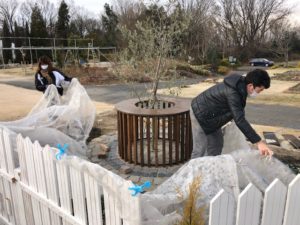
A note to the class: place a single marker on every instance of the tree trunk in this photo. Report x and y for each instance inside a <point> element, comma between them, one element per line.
<point>286,57</point>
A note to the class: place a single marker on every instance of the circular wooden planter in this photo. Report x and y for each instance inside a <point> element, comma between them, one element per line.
<point>154,137</point>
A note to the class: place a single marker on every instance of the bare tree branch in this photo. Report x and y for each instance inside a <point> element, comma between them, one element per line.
<point>8,12</point>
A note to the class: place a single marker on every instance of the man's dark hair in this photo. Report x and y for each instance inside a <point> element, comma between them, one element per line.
<point>258,78</point>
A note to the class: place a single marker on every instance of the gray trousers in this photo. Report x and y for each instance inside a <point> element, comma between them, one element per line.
<point>203,144</point>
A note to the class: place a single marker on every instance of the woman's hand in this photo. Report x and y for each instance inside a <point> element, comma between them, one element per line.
<point>264,149</point>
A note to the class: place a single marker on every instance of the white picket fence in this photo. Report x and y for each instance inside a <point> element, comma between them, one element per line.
<point>37,189</point>
<point>44,191</point>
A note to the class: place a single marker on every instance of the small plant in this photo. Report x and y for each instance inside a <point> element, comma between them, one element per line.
<point>192,214</point>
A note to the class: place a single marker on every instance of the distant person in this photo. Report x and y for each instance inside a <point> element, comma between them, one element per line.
<point>218,105</point>
<point>46,74</point>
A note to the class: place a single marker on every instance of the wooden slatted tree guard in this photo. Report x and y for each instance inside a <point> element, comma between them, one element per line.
<point>157,136</point>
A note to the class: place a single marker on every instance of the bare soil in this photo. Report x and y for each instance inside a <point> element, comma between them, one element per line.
<point>291,75</point>
<point>295,89</point>
<point>92,75</point>
<point>16,102</point>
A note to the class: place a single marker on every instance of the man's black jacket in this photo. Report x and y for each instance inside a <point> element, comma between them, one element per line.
<point>221,103</point>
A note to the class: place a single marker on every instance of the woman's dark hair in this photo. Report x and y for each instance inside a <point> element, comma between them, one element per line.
<point>45,60</point>
<point>258,78</point>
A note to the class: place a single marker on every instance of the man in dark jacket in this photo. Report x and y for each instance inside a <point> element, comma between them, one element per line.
<point>221,103</point>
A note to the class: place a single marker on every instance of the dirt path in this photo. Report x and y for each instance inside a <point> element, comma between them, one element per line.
<point>17,102</point>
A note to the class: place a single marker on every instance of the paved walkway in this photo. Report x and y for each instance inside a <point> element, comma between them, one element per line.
<point>138,174</point>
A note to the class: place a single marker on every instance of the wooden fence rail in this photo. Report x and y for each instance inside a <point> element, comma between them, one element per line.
<point>37,189</point>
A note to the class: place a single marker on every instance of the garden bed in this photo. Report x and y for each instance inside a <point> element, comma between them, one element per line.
<point>287,76</point>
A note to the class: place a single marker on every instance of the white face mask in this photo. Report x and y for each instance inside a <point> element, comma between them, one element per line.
<point>253,94</point>
<point>44,67</point>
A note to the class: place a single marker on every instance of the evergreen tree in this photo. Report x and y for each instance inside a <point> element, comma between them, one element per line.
<point>6,42</point>
<point>51,29</point>
<point>110,22</point>
<point>62,24</point>
<point>27,34</point>
<point>38,29</point>
<point>18,42</point>
<point>295,42</point>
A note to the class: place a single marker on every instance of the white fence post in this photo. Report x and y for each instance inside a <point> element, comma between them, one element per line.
<point>78,194</point>
<point>12,198</point>
<point>24,178</point>
<point>3,170</point>
<point>111,210</point>
<point>292,213</point>
<point>131,207</point>
<point>248,208</point>
<point>274,203</point>
<point>41,180</point>
<point>221,211</point>
<point>120,206</point>
<point>51,181</point>
<point>64,188</point>
<point>93,199</point>
<point>32,179</point>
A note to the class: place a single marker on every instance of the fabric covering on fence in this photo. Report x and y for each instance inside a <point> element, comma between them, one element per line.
<point>56,119</point>
<point>231,172</point>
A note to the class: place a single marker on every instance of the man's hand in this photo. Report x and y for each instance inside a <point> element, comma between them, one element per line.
<point>264,149</point>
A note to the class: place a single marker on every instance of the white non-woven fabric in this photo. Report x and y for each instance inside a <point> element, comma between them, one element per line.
<point>232,172</point>
<point>56,119</point>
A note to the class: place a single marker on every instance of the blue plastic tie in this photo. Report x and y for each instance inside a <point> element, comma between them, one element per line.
<point>62,151</point>
<point>139,188</point>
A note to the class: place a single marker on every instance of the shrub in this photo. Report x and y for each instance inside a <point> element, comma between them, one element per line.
<point>199,70</point>
<point>223,70</point>
<point>182,66</point>
<point>225,62</point>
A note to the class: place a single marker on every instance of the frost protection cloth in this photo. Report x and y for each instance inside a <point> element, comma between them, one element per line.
<point>59,119</point>
<point>232,172</point>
